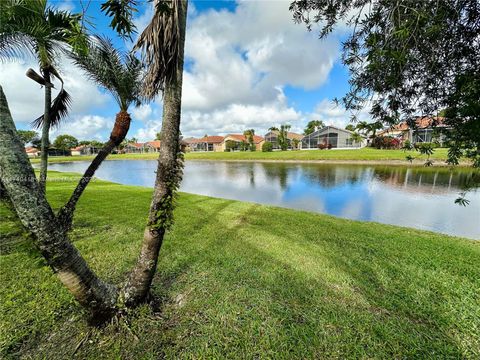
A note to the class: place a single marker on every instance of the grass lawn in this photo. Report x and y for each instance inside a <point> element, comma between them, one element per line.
<point>365,154</point>
<point>239,280</point>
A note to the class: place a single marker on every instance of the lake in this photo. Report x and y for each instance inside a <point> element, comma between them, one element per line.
<point>416,197</point>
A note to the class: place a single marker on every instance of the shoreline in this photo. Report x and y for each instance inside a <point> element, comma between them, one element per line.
<point>417,163</point>
<point>342,162</point>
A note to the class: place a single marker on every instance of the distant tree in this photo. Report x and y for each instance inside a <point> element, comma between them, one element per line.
<point>158,136</point>
<point>206,135</point>
<point>312,125</point>
<point>407,58</point>
<point>267,146</point>
<point>350,127</point>
<point>37,142</point>
<point>295,143</point>
<point>96,144</point>
<point>273,128</point>
<point>27,135</point>
<point>244,145</point>
<point>249,135</point>
<point>369,129</point>
<point>65,142</point>
<point>282,137</point>
<point>356,137</point>
<point>230,145</point>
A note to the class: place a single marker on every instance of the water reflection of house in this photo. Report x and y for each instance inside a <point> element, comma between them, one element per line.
<point>420,129</point>
<point>419,180</point>
<point>272,137</point>
<point>331,136</point>
<point>206,143</point>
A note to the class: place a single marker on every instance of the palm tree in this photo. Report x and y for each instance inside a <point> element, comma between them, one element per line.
<point>312,125</point>
<point>356,137</point>
<point>283,137</point>
<point>273,128</point>
<point>36,214</point>
<point>120,74</point>
<point>249,134</point>
<point>162,43</point>
<point>31,27</point>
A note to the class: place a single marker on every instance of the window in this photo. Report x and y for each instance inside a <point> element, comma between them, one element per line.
<point>349,142</point>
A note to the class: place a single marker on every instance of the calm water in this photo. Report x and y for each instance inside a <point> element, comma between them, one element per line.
<point>416,197</point>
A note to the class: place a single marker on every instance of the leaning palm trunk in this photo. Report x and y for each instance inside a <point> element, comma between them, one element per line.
<point>36,215</point>
<point>169,174</point>
<point>118,134</point>
<point>45,131</point>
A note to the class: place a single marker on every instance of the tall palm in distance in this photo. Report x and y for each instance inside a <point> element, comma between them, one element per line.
<point>120,74</point>
<point>33,28</point>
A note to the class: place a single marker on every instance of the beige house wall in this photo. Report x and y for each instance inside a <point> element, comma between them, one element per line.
<point>221,147</point>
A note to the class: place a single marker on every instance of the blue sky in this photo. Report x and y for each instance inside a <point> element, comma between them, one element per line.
<point>247,66</point>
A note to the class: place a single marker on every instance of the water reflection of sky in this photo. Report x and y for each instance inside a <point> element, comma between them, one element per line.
<point>416,197</point>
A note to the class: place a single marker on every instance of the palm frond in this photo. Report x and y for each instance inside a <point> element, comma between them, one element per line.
<point>160,43</point>
<point>60,106</point>
<point>118,72</point>
<point>16,45</point>
<point>59,110</point>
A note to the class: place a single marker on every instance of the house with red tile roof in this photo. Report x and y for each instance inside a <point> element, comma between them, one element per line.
<point>206,143</point>
<point>421,129</point>
<point>152,146</point>
<point>32,151</point>
<point>133,148</point>
<point>272,137</point>
<point>239,138</point>
<point>84,150</point>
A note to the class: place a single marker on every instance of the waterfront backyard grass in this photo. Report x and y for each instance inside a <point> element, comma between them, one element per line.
<point>354,155</point>
<point>240,280</point>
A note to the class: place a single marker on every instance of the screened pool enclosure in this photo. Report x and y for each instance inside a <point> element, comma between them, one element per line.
<point>330,136</point>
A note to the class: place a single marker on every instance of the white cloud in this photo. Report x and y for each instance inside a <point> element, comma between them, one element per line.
<point>150,130</point>
<point>25,97</point>
<point>235,118</point>
<point>66,5</point>
<point>336,115</point>
<point>142,112</point>
<point>87,127</point>
<point>241,56</point>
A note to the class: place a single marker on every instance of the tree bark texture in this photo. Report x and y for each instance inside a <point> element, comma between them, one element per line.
<point>167,180</point>
<point>45,131</point>
<point>36,215</point>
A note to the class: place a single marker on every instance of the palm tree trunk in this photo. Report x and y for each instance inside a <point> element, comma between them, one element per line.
<point>118,134</point>
<point>33,210</point>
<point>45,131</point>
<point>169,173</point>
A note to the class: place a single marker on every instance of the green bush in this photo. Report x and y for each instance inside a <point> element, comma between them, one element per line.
<point>267,146</point>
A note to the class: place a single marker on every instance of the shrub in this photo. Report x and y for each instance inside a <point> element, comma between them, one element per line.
<point>407,145</point>
<point>322,146</point>
<point>425,148</point>
<point>329,146</point>
<point>267,146</point>
<point>230,145</point>
<point>385,142</point>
